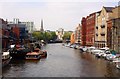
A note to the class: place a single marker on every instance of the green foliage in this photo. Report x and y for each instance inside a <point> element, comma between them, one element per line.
<point>67,35</point>
<point>46,36</point>
<point>54,36</point>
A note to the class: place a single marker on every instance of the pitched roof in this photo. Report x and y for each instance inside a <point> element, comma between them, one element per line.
<point>109,9</point>
<point>98,12</point>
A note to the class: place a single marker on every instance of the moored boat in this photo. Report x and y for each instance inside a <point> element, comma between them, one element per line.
<point>5,58</point>
<point>19,52</point>
<point>42,53</point>
<point>117,61</point>
<point>33,56</point>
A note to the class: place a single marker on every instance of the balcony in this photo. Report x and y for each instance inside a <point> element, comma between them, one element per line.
<point>102,26</point>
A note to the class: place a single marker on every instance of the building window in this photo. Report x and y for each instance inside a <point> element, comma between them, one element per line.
<point>102,26</point>
<point>96,27</point>
<point>96,34</point>
<point>102,34</point>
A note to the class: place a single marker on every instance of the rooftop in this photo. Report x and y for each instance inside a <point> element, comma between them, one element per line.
<point>109,9</point>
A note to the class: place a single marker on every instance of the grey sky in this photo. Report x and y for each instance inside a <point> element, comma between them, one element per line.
<point>56,14</point>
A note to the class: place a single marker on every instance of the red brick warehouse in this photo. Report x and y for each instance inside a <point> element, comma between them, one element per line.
<point>83,31</point>
<point>90,29</point>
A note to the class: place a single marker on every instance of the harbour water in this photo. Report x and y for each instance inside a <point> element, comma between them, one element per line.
<point>62,62</point>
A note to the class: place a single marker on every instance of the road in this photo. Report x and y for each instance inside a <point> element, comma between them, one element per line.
<point>62,62</point>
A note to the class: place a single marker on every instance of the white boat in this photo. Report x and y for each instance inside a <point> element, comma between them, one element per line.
<point>5,58</point>
<point>95,51</point>
<point>90,49</point>
<point>76,47</point>
<point>110,57</point>
<point>107,52</point>
<point>104,48</point>
<point>117,61</point>
<point>84,49</point>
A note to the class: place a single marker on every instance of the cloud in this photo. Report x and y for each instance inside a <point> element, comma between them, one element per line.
<point>55,14</point>
<point>59,0</point>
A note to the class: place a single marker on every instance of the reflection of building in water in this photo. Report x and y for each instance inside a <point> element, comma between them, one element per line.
<point>109,70</point>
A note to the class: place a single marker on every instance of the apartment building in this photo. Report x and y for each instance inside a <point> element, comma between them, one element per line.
<point>114,30</point>
<point>101,26</point>
<point>83,32</point>
<point>78,34</point>
<point>90,29</point>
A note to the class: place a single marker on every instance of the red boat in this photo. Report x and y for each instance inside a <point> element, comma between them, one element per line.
<point>33,56</point>
<point>42,53</point>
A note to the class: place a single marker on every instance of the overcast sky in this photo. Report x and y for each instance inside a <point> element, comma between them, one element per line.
<point>55,13</point>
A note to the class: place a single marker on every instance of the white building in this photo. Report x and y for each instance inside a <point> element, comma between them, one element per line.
<point>29,25</point>
<point>60,33</point>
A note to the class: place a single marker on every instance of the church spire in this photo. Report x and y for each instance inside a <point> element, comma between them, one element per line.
<point>41,29</point>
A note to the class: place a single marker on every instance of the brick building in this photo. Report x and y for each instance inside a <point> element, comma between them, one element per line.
<point>90,29</point>
<point>4,33</point>
<point>83,32</point>
<point>113,28</point>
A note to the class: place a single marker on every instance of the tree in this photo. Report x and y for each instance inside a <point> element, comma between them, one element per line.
<point>67,35</point>
<point>53,36</point>
<point>36,35</point>
<point>46,36</point>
